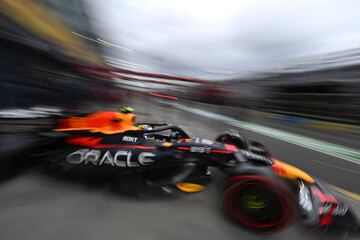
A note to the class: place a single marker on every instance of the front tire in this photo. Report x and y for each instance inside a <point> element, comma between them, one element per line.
<point>259,203</point>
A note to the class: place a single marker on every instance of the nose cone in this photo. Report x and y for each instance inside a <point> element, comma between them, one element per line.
<point>291,172</point>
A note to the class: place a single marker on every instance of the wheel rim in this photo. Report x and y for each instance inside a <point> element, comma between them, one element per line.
<point>259,204</point>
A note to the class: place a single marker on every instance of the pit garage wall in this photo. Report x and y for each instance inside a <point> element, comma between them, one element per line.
<point>38,57</point>
<point>331,95</point>
<point>30,77</point>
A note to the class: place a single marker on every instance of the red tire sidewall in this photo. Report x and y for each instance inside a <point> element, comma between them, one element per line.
<point>284,195</point>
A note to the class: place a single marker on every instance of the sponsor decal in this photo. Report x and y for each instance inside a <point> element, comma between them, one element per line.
<point>120,158</point>
<point>95,142</point>
<point>195,149</point>
<point>206,141</point>
<point>304,198</point>
<point>129,139</point>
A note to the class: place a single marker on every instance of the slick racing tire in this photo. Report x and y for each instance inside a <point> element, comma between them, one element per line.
<point>260,203</point>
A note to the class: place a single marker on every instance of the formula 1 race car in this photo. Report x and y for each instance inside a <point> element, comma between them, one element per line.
<point>259,192</point>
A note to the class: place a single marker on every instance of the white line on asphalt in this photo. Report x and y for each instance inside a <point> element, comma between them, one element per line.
<point>352,195</point>
<point>333,166</point>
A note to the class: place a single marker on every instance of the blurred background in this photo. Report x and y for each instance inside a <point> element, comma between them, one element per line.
<point>284,72</point>
<point>276,56</point>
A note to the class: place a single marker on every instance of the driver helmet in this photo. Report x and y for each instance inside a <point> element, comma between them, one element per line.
<point>126,109</point>
<point>146,127</point>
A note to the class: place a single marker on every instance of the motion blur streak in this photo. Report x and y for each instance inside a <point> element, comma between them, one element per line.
<point>348,154</point>
<point>35,17</point>
<point>162,96</point>
<point>124,119</point>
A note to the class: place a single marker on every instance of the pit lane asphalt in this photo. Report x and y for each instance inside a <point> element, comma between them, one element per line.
<point>37,206</point>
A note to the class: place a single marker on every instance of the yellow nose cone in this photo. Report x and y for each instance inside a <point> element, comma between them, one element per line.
<point>291,172</point>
